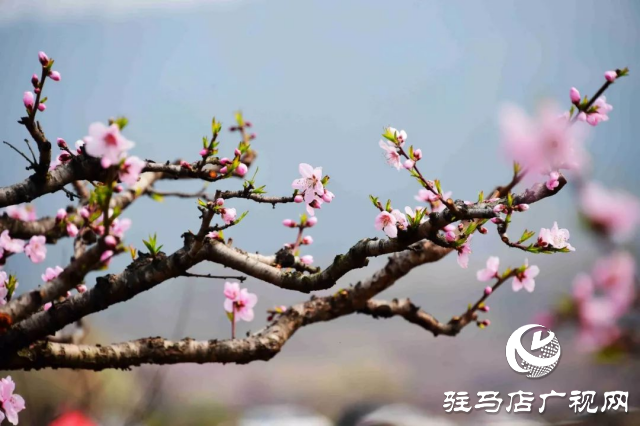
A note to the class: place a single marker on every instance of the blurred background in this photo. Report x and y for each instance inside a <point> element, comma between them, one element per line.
<point>319,80</point>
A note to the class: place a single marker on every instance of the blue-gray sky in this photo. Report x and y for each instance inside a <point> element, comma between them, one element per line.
<point>319,80</point>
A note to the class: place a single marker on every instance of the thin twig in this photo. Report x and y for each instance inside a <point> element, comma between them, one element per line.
<point>240,278</point>
<point>31,163</point>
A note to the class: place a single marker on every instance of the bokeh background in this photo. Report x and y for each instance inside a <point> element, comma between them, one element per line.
<point>319,80</point>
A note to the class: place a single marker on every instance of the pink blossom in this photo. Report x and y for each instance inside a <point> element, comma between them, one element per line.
<point>388,222</point>
<point>47,306</point>
<point>36,249</point>
<point>526,279</point>
<point>391,154</point>
<point>213,235</point>
<point>554,181</point>
<point>51,273</point>
<point>10,244</point>
<point>488,290</point>
<point>11,403</point>
<point>307,260</point>
<point>610,76</point>
<point>204,152</point>
<point>311,222</point>
<point>574,95</point>
<point>491,271</point>
<point>307,240</point>
<point>84,212</point>
<point>106,142</point>
<point>242,305</point>
<point>602,109</point>
<point>450,232</point>
<point>463,253</point>
<point>408,164</point>
<point>417,154</point>
<point>228,215</point>
<point>498,208</point>
<point>242,169</point>
<point>617,213</point>
<point>231,290</point>
<point>310,185</point>
<point>554,237</point>
<point>298,198</point>
<point>4,291</point>
<point>120,226</point>
<point>130,170</point>
<point>542,145</point>
<point>61,215</point>
<point>24,212</point>
<point>72,229</point>
<point>29,99</point>
<point>43,58</point>
<point>41,107</point>
<point>328,196</point>
<point>400,136</point>
<point>289,223</point>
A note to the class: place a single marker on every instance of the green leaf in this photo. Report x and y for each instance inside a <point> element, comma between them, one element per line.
<point>471,228</point>
<point>516,168</point>
<point>510,199</point>
<point>230,316</point>
<point>481,196</point>
<point>121,122</point>
<point>239,118</point>
<point>438,187</point>
<point>388,206</point>
<point>157,197</point>
<point>526,235</point>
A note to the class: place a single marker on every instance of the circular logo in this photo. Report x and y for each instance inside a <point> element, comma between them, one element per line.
<point>535,366</point>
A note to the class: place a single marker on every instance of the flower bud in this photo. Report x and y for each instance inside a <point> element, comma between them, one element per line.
<point>252,136</point>
<point>47,306</point>
<point>106,256</point>
<point>497,220</point>
<point>408,164</point>
<point>34,80</point>
<point>64,157</point>
<point>417,154</point>
<point>247,124</point>
<point>43,58</point>
<point>41,107</point>
<point>224,161</point>
<point>298,198</point>
<point>219,202</point>
<point>237,152</point>
<point>61,215</point>
<point>81,288</point>
<point>307,260</point>
<point>498,208</point>
<point>84,212</point>
<point>110,241</point>
<point>185,165</point>
<point>29,99</point>
<point>311,221</point>
<point>54,75</point>
<point>611,76</point>
<point>233,128</point>
<point>486,323</point>
<point>574,95</point>
<point>242,169</point>
<point>307,240</point>
<point>223,170</point>
<point>118,189</point>
<point>484,308</point>
<point>488,290</point>
<point>204,152</point>
<point>62,144</point>
<point>72,230</point>
<point>522,207</point>
<point>289,223</point>
<point>483,230</point>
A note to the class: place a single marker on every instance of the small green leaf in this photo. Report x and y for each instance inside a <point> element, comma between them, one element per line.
<point>481,196</point>
<point>157,197</point>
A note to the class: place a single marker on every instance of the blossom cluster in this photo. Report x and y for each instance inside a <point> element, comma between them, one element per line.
<point>12,403</point>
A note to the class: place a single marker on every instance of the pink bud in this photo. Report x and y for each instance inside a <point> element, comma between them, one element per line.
<point>253,136</point>
<point>522,207</point>
<point>307,240</point>
<point>110,241</point>
<point>204,152</point>
<point>485,308</point>
<point>482,230</point>
<point>247,124</point>
<point>486,323</point>
<point>298,198</point>
<point>185,165</point>
<point>47,306</point>
<point>497,220</point>
<point>237,152</point>
<point>289,223</point>
<point>61,215</point>
<point>54,75</point>
<point>106,256</point>
<point>611,76</point>
<point>223,170</point>
<point>408,164</point>
<point>84,212</point>
<point>498,208</point>
<point>224,160</point>
<point>41,107</point>
<point>29,99</point>
<point>43,58</point>
<point>311,221</point>
<point>62,144</point>
<point>64,157</point>
<point>488,290</point>
<point>118,189</point>
<point>307,260</point>
<point>574,95</point>
<point>36,90</point>
<point>242,169</point>
<point>81,288</point>
<point>220,202</point>
<point>417,154</point>
<point>34,80</point>
<point>72,229</point>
